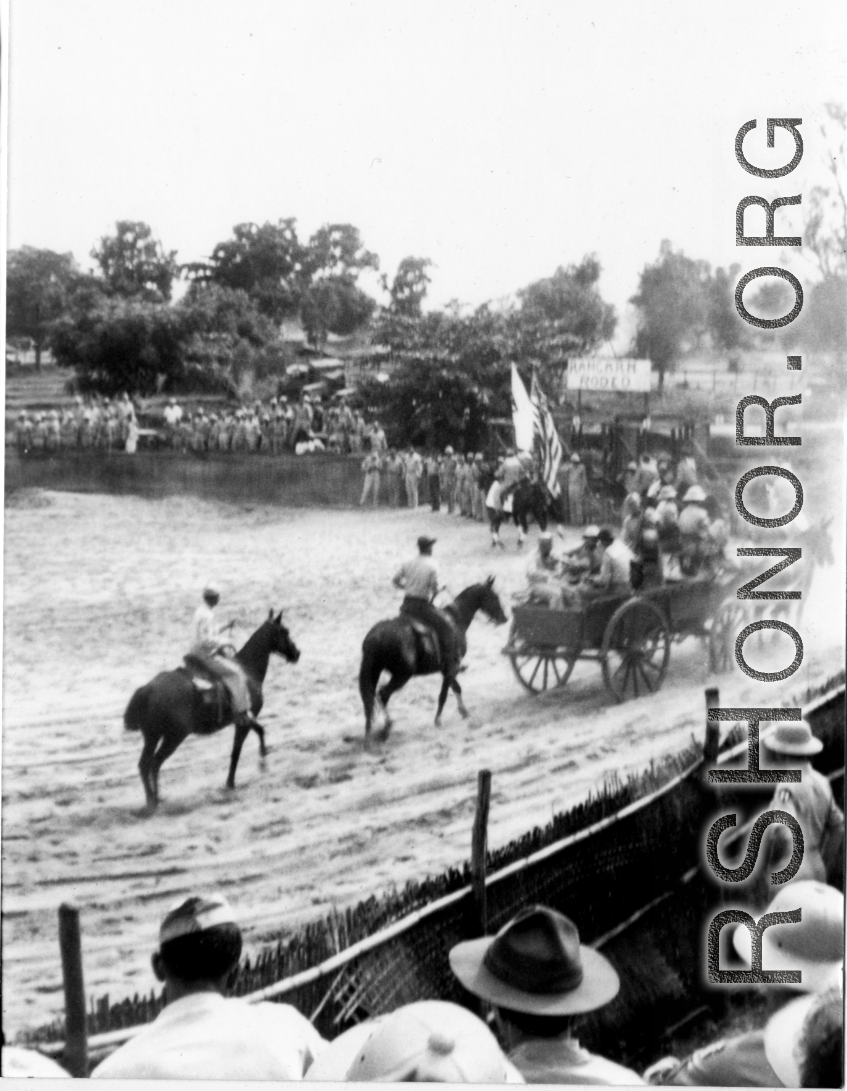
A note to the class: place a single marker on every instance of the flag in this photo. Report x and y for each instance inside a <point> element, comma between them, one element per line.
<point>547,438</point>
<point>523,413</point>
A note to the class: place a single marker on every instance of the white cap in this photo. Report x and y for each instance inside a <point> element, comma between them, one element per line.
<point>195,914</point>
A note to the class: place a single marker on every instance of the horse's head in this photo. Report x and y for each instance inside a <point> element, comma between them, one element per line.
<point>489,602</point>
<point>281,641</point>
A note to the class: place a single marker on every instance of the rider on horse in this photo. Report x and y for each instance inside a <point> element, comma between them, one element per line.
<point>208,652</point>
<point>418,578</point>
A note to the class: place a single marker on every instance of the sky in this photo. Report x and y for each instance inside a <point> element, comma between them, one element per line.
<point>500,140</point>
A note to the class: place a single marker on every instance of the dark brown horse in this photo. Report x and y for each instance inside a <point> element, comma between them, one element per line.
<point>171,707</point>
<point>396,647</point>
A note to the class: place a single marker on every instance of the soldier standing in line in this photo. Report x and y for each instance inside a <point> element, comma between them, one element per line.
<point>433,481</point>
<point>394,471</point>
<point>371,467</point>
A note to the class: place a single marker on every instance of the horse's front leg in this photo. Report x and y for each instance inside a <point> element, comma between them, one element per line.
<point>260,731</point>
<point>457,689</point>
<point>442,697</point>
<point>242,730</point>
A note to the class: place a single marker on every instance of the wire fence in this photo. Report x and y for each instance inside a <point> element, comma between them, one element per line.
<point>624,865</point>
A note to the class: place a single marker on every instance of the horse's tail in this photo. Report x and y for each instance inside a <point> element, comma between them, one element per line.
<point>136,709</point>
<point>369,673</point>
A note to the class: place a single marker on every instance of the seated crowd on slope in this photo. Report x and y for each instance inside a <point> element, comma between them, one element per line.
<point>304,424</point>
<point>535,980</point>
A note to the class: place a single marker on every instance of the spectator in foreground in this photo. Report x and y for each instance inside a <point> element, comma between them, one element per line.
<point>430,1041</point>
<point>539,976</point>
<point>814,946</point>
<point>804,1042</point>
<point>201,1034</point>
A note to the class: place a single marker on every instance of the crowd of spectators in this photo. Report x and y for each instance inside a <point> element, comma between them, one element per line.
<point>300,425</point>
<point>535,978</point>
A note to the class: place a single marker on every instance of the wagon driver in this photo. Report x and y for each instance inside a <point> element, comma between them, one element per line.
<point>207,650</point>
<point>419,579</point>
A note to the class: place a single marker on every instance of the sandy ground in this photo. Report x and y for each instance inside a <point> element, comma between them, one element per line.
<point>99,595</point>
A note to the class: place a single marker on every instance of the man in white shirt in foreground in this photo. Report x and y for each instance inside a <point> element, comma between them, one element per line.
<point>202,1034</point>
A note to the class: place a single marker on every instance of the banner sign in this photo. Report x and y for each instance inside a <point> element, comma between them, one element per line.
<point>623,374</point>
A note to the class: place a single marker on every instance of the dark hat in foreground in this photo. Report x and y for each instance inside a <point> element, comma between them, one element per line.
<point>425,543</point>
<point>536,964</point>
<point>195,914</point>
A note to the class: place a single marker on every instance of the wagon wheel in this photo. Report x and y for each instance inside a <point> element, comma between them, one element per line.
<point>727,623</point>
<point>636,649</point>
<point>539,669</point>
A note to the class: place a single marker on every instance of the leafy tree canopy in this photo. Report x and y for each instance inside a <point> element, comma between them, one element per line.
<point>133,264</point>
<point>409,287</point>
<point>38,285</point>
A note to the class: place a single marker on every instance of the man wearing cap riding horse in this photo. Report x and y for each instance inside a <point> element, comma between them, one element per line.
<point>539,976</point>
<point>419,579</point>
<point>201,1034</point>
<point>207,649</point>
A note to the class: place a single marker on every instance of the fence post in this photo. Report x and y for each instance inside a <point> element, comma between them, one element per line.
<point>713,728</point>
<point>70,945</point>
<point>479,845</point>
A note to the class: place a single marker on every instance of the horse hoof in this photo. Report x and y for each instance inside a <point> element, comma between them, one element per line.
<point>230,787</point>
<point>463,712</point>
<point>438,721</point>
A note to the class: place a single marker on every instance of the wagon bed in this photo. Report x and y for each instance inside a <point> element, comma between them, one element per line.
<point>629,635</point>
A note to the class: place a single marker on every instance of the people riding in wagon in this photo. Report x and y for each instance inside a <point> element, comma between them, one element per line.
<point>543,573</point>
<point>718,539</point>
<point>693,530</point>
<point>209,651</point>
<point>584,560</point>
<point>667,519</point>
<point>418,578</point>
<point>615,574</point>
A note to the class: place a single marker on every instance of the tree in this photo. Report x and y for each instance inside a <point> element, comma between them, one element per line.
<point>337,250</point>
<point>133,264</point>
<point>38,284</point>
<point>825,232</point>
<point>267,262</point>
<point>119,344</point>
<point>563,315</point>
<point>450,374</point>
<point>334,304</point>
<point>672,304</point>
<point>728,330</point>
<point>409,287</point>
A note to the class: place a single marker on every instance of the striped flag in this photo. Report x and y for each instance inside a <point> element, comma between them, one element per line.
<point>548,444</point>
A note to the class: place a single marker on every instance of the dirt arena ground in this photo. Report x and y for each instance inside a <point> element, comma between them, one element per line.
<point>99,595</point>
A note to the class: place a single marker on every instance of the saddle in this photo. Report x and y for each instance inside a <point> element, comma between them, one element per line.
<point>212,693</point>
<point>426,639</point>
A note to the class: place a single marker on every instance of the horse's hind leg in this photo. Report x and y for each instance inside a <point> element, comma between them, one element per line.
<point>241,733</point>
<point>260,731</point>
<point>395,682</point>
<point>145,769</point>
<point>167,747</point>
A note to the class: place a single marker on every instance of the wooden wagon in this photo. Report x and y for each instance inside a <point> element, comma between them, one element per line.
<point>630,636</point>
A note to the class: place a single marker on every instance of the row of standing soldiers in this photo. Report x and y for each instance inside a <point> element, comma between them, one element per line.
<point>458,482</point>
<point>106,424</point>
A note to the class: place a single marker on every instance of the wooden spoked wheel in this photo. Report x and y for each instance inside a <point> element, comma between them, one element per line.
<point>727,623</point>
<point>636,649</point>
<point>539,668</point>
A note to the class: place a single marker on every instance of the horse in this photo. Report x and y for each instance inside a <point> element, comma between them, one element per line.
<point>171,707</point>
<point>395,646</point>
<point>529,498</point>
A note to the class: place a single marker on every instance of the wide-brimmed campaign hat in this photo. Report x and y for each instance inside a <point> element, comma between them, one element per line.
<point>814,946</point>
<point>792,738</point>
<point>424,542</point>
<point>536,964</point>
<point>695,494</point>
<point>592,531</point>
<point>333,1062</point>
